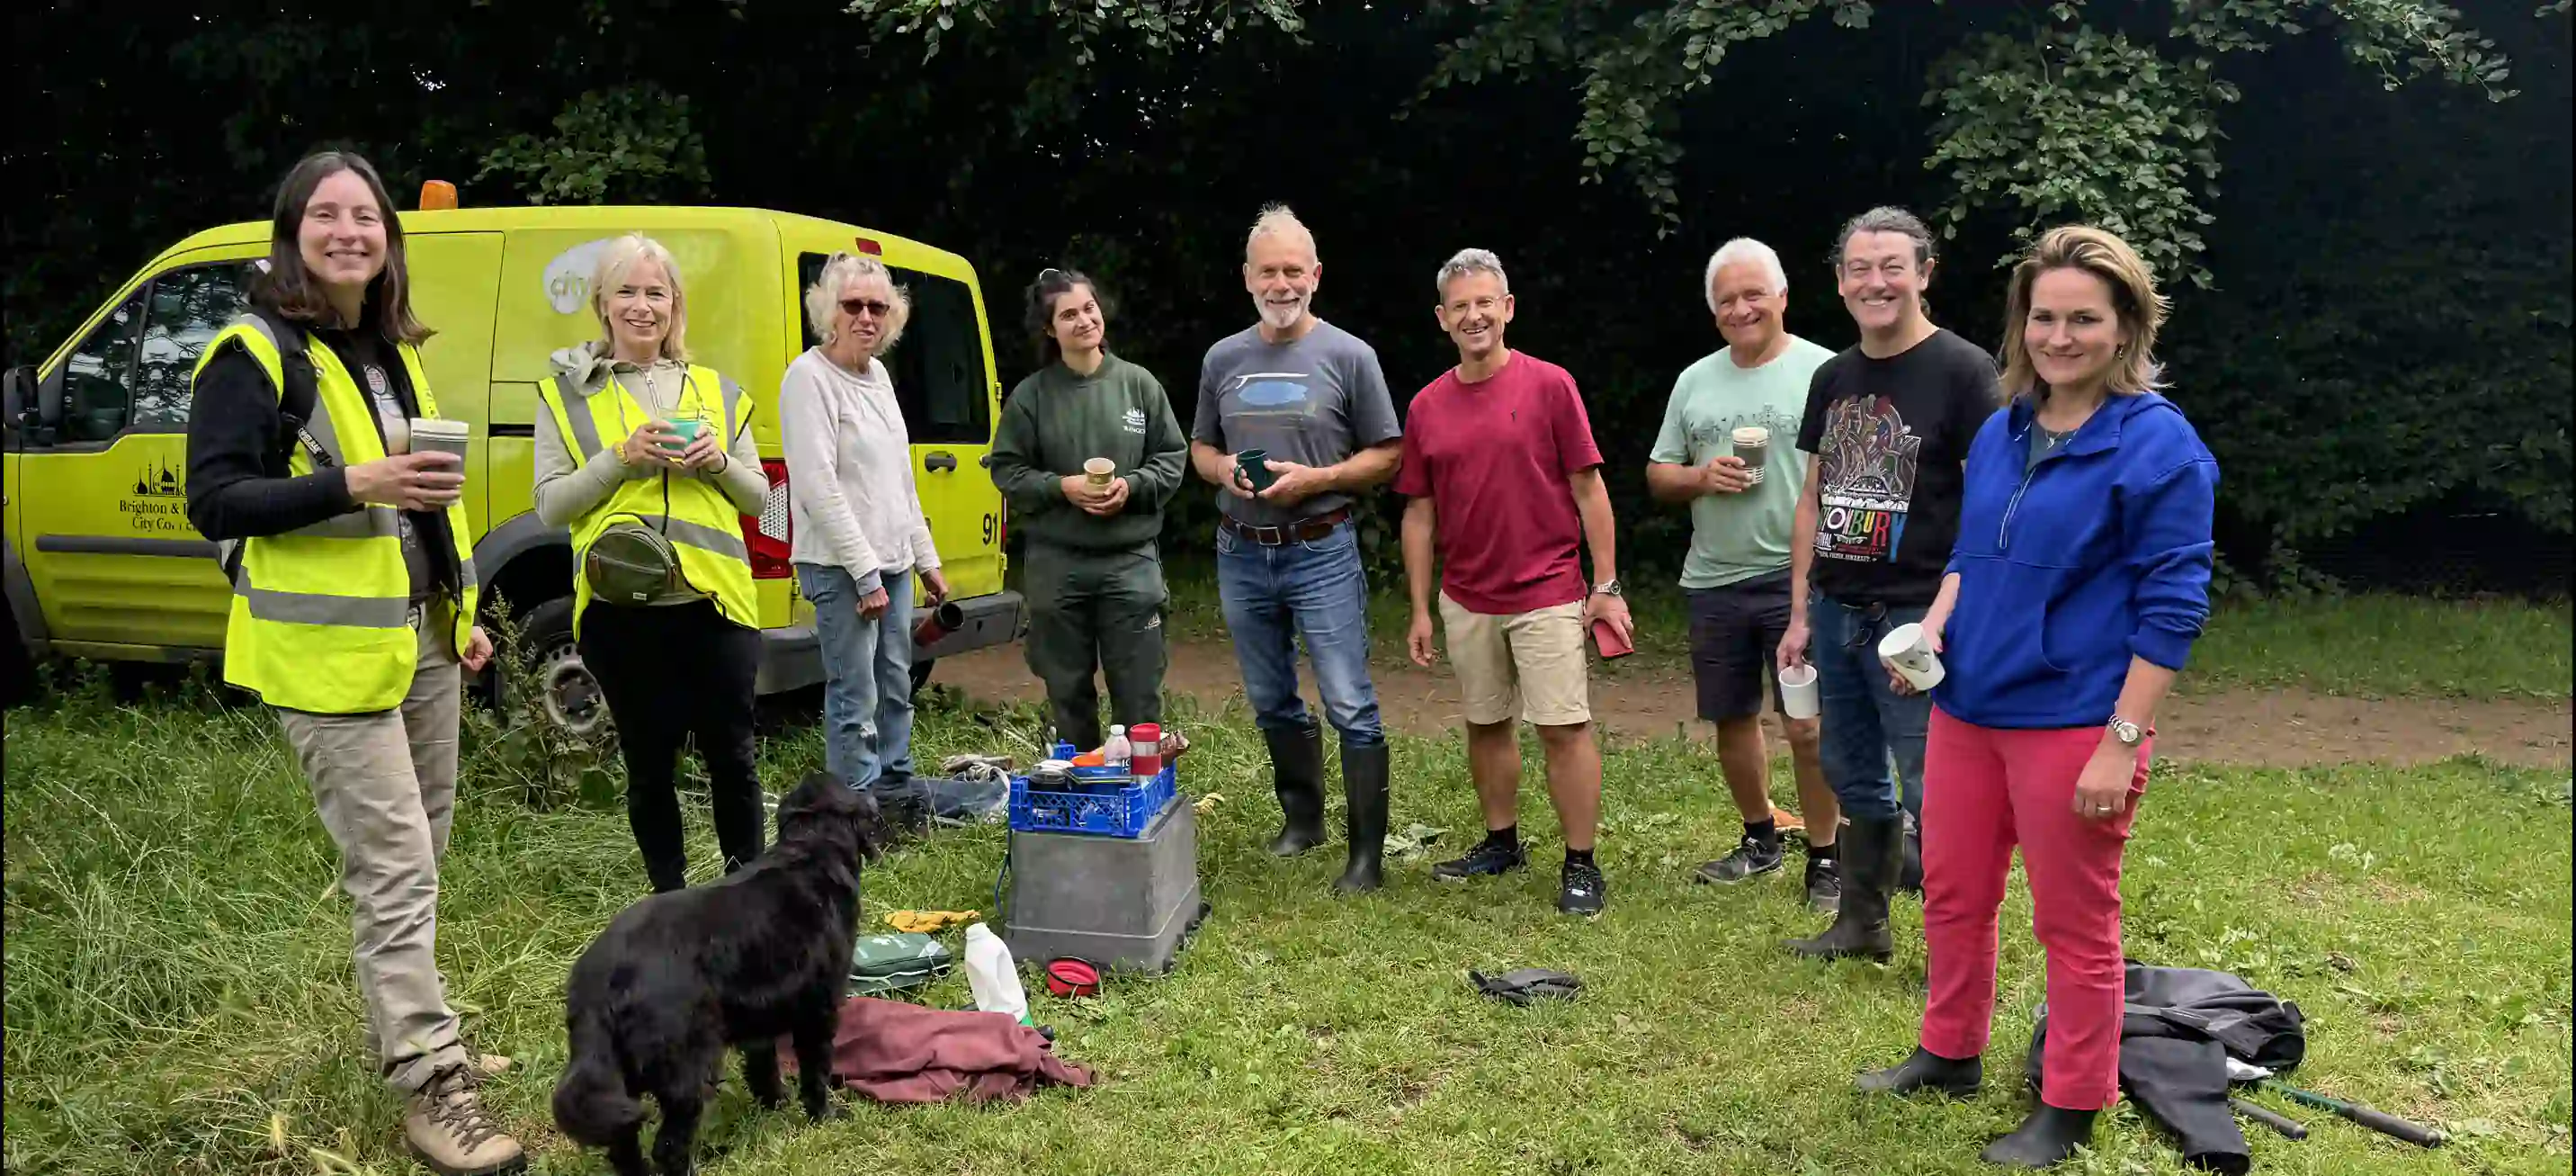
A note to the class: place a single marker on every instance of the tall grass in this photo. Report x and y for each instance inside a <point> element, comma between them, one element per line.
<point>179,996</point>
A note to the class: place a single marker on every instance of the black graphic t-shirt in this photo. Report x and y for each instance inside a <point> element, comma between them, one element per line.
<point>1889,437</point>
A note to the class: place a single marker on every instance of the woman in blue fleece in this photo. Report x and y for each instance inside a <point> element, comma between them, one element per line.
<point>2079,580</point>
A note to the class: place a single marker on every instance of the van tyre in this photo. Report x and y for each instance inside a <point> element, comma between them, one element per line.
<point>567,693</point>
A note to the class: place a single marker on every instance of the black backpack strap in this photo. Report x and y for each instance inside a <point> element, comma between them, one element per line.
<point>302,395</point>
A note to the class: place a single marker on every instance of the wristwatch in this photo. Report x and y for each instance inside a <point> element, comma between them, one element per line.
<point>1606,588</point>
<point>2126,732</point>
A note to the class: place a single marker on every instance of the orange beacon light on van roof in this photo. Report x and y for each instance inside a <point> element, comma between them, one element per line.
<point>436,195</point>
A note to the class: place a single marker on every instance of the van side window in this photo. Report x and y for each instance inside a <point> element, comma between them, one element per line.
<point>94,381</point>
<point>938,364</point>
<point>188,308</point>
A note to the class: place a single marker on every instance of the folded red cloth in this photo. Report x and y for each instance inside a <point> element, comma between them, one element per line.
<point>896,1052</point>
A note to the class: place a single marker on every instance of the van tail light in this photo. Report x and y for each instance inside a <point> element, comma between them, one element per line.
<point>769,536</point>
<point>1002,529</point>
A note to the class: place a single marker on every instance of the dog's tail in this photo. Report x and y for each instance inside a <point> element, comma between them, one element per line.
<point>592,1105</point>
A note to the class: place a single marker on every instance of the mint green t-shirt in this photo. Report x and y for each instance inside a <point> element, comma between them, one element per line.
<point>1736,537</point>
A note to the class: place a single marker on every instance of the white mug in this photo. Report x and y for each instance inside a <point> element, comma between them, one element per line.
<point>1798,698</point>
<point>1907,648</point>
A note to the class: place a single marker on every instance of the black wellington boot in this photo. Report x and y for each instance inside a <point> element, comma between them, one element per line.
<point>1926,1070</point>
<point>2049,1135</point>
<point>1868,855</point>
<point>1364,771</point>
<point>1297,767</point>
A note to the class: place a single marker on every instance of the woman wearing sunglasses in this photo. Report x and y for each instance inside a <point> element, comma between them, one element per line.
<point>860,534</point>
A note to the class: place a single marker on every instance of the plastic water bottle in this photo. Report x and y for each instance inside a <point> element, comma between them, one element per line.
<point>1117,753</point>
<point>993,977</point>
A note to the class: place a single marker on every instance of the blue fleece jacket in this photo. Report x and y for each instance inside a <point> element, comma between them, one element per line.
<point>2069,567</point>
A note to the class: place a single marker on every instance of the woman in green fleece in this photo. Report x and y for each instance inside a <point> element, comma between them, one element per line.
<point>1094,578</point>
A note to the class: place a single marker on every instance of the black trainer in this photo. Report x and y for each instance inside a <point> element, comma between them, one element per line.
<point>1751,858</point>
<point>1487,859</point>
<point>1581,890</point>
<point>1824,886</point>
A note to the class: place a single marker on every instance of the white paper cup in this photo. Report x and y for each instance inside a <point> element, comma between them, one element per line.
<point>440,436</point>
<point>1798,699</point>
<point>1099,470</point>
<point>1910,651</point>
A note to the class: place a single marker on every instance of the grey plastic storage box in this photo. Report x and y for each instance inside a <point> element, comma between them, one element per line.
<point>1118,902</point>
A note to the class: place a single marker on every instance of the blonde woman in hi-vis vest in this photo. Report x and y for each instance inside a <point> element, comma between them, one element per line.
<point>649,460</point>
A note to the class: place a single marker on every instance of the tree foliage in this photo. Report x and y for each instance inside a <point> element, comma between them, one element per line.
<point>2382,330</point>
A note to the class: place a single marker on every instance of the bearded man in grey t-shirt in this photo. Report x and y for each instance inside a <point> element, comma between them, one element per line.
<point>1309,396</point>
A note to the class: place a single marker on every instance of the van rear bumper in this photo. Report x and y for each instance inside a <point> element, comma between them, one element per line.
<point>791,656</point>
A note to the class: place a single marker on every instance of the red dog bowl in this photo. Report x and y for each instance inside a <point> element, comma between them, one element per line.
<point>1072,977</point>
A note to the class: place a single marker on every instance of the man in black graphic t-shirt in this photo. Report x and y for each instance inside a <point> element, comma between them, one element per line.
<point>1888,422</point>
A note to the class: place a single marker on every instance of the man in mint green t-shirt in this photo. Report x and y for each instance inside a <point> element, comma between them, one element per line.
<point>1742,487</point>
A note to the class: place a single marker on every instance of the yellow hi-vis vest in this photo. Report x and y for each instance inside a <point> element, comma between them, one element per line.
<point>701,523</point>
<point>321,615</point>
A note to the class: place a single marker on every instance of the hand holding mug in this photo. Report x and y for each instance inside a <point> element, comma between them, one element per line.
<point>655,444</point>
<point>1726,475</point>
<point>428,480</point>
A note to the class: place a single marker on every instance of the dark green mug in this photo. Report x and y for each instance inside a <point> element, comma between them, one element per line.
<point>1248,466</point>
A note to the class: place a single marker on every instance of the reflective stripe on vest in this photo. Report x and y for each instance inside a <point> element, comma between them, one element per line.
<point>320,617</point>
<point>702,524</point>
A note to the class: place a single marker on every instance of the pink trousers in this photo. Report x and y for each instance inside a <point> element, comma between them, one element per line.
<point>1986,790</point>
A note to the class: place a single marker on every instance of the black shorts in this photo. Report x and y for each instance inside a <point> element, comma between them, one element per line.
<point>1735,636</point>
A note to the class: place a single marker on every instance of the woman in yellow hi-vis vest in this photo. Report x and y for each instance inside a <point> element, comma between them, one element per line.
<point>649,460</point>
<point>353,602</point>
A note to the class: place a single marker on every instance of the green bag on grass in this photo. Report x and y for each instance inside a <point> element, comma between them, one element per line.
<point>898,962</point>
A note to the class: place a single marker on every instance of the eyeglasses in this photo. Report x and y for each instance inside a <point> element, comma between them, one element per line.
<point>854,306</point>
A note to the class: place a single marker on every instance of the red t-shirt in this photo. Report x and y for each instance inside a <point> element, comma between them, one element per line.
<point>1496,458</point>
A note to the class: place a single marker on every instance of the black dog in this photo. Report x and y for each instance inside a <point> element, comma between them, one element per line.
<point>677,977</point>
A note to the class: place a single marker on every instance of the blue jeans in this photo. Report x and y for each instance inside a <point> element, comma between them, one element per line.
<point>867,679</point>
<point>1867,727</point>
<point>1315,590</point>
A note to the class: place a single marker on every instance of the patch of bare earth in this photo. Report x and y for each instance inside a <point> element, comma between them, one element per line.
<point>2276,728</point>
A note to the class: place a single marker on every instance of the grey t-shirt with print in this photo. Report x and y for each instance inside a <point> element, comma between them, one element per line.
<point>1314,401</point>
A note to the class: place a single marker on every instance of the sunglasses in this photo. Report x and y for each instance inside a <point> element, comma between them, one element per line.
<point>877,307</point>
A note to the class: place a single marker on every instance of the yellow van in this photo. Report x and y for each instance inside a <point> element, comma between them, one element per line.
<point>102,563</point>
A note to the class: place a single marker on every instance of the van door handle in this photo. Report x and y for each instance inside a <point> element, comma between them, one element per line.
<point>939,461</point>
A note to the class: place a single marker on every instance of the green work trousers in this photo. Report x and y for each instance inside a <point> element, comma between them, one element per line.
<point>1097,610</point>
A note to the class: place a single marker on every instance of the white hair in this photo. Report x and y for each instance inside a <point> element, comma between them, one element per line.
<point>1470,261</point>
<point>1740,251</point>
<point>824,296</point>
<point>1275,221</point>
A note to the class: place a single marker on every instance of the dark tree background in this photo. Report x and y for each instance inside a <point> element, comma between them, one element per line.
<point>2378,349</point>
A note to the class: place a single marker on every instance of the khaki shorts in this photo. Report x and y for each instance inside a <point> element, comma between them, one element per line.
<point>1532,662</point>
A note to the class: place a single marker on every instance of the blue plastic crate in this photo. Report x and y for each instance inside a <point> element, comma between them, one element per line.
<point>1099,809</point>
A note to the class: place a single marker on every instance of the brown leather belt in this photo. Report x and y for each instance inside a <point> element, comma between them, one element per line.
<point>1301,531</point>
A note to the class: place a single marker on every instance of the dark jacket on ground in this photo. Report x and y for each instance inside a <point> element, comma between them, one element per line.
<point>2181,1026</point>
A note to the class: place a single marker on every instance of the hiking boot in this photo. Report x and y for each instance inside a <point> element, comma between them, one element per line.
<point>1867,852</point>
<point>1488,858</point>
<point>1581,890</point>
<point>1751,858</point>
<point>1297,775</point>
<point>1364,772</point>
<point>449,1130</point>
<point>1824,885</point>
<point>2048,1136</point>
<point>1926,1070</point>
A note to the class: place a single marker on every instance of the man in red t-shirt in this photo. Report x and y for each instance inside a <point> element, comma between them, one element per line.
<point>1504,478</point>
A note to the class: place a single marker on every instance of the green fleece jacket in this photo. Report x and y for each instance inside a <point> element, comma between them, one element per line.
<point>1055,420</point>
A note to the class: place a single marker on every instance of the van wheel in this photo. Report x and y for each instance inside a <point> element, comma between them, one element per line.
<point>18,669</point>
<point>565,688</point>
<point>921,673</point>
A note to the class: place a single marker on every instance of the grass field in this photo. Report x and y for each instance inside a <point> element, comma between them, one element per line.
<point>179,997</point>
